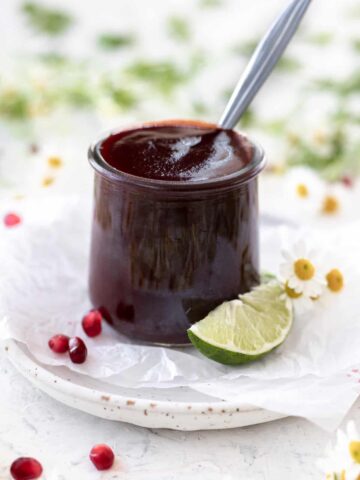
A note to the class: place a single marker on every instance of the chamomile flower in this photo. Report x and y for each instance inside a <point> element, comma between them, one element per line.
<point>336,199</point>
<point>335,280</point>
<point>305,187</point>
<point>299,301</point>
<point>300,272</point>
<point>343,461</point>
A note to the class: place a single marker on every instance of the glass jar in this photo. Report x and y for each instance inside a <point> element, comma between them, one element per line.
<point>165,253</point>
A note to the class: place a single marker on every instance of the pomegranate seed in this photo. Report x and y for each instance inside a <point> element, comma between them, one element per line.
<point>11,220</point>
<point>347,181</point>
<point>91,323</point>
<point>77,350</point>
<point>59,343</point>
<point>26,468</point>
<point>105,314</point>
<point>102,457</point>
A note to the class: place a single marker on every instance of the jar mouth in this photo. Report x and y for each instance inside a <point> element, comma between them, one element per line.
<point>243,175</point>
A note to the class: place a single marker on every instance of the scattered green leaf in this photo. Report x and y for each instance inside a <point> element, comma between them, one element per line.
<point>199,108</point>
<point>53,59</point>
<point>14,104</point>
<point>114,41</point>
<point>343,88</point>
<point>332,162</point>
<point>46,20</point>
<point>288,64</point>
<point>78,96</point>
<point>356,44</point>
<point>164,76</point>
<point>275,127</point>
<point>197,62</point>
<point>248,118</point>
<point>210,3</point>
<point>178,28</point>
<point>246,48</point>
<point>122,97</point>
<point>321,38</point>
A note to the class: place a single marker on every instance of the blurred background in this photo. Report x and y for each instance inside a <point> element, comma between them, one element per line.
<point>70,70</point>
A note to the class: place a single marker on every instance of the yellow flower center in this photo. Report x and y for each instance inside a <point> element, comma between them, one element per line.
<point>302,190</point>
<point>293,138</point>
<point>304,269</point>
<point>47,181</point>
<point>335,280</point>
<point>290,292</point>
<point>354,449</point>
<point>55,162</point>
<point>319,137</point>
<point>316,298</point>
<point>330,205</point>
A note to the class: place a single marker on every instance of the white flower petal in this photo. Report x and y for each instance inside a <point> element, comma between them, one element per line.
<point>351,431</point>
<point>287,255</point>
<point>285,270</point>
<point>300,249</point>
<point>295,284</point>
<point>312,289</point>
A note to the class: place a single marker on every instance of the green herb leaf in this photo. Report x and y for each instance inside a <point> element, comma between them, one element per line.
<point>53,59</point>
<point>165,76</point>
<point>288,64</point>
<point>123,98</point>
<point>199,107</point>
<point>113,41</point>
<point>356,44</point>
<point>45,20</point>
<point>248,118</point>
<point>321,38</point>
<point>343,88</point>
<point>14,104</point>
<point>247,48</point>
<point>210,3</point>
<point>78,96</point>
<point>179,29</point>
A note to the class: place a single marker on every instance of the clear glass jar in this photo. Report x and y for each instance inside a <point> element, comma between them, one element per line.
<point>165,253</point>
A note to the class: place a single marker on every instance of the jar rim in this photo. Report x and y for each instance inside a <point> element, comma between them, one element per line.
<point>243,175</point>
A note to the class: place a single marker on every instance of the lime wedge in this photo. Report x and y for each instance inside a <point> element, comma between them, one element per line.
<point>246,329</point>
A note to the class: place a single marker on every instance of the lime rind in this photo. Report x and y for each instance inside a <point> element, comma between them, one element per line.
<point>217,353</point>
<point>245,329</point>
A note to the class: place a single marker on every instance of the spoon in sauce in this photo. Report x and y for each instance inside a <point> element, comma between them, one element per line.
<point>263,61</point>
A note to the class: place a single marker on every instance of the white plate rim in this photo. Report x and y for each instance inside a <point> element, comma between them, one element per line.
<point>47,381</point>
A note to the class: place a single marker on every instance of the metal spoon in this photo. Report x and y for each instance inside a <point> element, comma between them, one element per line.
<point>263,61</point>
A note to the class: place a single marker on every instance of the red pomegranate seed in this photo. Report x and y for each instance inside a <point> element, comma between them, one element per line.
<point>102,457</point>
<point>59,343</point>
<point>91,323</point>
<point>77,350</point>
<point>347,181</point>
<point>26,468</point>
<point>11,220</point>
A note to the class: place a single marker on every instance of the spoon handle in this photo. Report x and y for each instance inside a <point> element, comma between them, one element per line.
<point>263,61</point>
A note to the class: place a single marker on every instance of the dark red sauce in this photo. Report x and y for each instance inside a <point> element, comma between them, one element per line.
<point>177,153</point>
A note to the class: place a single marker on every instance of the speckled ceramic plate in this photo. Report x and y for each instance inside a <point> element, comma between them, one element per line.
<point>175,408</point>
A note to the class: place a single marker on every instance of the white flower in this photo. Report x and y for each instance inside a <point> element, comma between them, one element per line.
<point>300,272</point>
<point>343,461</point>
<point>336,199</point>
<point>305,187</point>
<point>300,302</point>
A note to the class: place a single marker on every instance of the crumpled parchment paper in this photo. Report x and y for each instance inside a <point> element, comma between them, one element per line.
<point>43,291</point>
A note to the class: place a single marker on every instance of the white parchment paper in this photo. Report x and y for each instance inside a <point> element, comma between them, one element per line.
<point>43,291</point>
